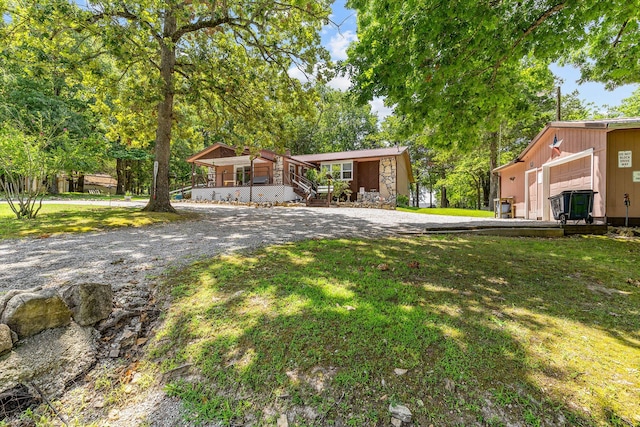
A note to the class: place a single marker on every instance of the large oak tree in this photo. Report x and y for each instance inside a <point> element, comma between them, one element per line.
<point>228,59</point>
<point>456,67</point>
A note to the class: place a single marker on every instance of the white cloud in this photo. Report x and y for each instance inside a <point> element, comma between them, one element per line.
<point>296,73</point>
<point>339,43</point>
<point>381,110</point>
<point>342,83</point>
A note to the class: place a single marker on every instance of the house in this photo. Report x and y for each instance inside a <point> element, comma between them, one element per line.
<point>265,176</point>
<point>99,183</point>
<point>598,155</point>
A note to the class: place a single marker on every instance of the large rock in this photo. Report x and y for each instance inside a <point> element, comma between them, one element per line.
<point>400,412</point>
<point>89,302</point>
<point>50,359</point>
<point>30,313</point>
<point>6,342</point>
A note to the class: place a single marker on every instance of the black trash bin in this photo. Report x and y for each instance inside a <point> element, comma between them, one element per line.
<point>573,205</point>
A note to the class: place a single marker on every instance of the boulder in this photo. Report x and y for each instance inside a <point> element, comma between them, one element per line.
<point>30,313</point>
<point>401,413</point>
<point>89,302</point>
<point>51,359</point>
<point>6,341</point>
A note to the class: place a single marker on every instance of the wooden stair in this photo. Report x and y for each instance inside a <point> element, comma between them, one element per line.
<point>317,202</point>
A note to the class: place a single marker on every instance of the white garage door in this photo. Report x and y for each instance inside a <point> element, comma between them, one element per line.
<point>575,175</point>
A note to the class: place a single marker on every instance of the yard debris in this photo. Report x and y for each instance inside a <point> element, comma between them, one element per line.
<point>283,421</point>
<point>399,371</point>
<point>383,267</point>
<point>413,264</point>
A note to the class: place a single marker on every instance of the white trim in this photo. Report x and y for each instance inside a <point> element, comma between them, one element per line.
<point>570,158</point>
<point>546,177</point>
<point>342,171</point>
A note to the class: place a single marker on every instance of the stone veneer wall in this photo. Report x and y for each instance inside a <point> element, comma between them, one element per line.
<point>388,178</point>
<point>278,170</point>
<point>211,176</point>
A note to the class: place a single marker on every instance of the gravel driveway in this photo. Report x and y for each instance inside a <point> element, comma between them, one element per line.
<point>130,255</point>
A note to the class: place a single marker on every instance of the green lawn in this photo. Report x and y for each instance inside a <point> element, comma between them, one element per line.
<point>449,212</point>
<point>61,218</point>
<point>491,331</point>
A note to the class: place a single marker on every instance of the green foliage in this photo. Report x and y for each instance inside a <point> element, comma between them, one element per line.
<point>24,167</point>
<point>402,201</point>
<point>339,123</point>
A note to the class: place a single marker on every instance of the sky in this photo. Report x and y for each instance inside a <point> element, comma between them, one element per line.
<point>337,36</point>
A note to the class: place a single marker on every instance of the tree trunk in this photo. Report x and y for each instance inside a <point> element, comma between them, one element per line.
<point>160,200</point>
<point>416,200</point>
<point>80,187</point>
<point>494,181</point>
<point>444,202</point>
<point>120,177</point>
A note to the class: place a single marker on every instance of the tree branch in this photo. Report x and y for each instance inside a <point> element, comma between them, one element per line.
<point>619,36</point>
<point>535,25</point>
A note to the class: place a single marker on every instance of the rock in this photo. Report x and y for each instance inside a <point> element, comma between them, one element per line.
<point>30,313</point>
<point>50,359</point>
<point>89,302</point>
<point>283,421</point>
<point>6,341</point>
<point>396,422</point>
<point>400,412</point>
<point>449,385</point>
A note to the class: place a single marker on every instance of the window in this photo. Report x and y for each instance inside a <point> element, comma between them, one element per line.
<point>341,171</point>
<point>243,175</point>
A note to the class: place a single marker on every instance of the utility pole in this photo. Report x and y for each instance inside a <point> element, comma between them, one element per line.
<point>558,116</point>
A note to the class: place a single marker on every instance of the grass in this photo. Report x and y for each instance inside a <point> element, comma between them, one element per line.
<point>449,211</point>
<point>60,218</point>
<point>492,331</point>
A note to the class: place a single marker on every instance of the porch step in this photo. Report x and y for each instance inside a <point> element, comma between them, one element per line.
<point>598,229</point>
<point>317,203</point>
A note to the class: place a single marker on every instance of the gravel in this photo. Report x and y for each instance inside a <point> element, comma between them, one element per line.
<point>131,254</point>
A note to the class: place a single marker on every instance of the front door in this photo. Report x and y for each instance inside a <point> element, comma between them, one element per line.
<point>369,175</point>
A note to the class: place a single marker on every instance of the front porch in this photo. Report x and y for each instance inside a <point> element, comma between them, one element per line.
<point>246,193</point>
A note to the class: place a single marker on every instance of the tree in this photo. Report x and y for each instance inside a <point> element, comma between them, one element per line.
<point>230,58</point>
<point>456,68</point>
<point>339,123</point>
<point>39,90</point>
<point>24,168</point>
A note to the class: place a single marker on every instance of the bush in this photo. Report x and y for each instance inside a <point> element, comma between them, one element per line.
<point>402,201</point>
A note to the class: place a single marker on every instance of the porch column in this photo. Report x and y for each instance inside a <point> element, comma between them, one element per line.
<point>278,171</point>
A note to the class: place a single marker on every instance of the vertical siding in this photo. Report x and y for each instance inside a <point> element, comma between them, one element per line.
<point>574,140</point>
<point>561,177</point>
<point>620,180</point>
<point>402,179</point>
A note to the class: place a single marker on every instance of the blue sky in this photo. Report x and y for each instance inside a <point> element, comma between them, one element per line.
<point>337,36</point>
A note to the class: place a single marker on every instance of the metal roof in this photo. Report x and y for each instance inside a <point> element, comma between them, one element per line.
<point>358,154</point>
<point>606,124</point>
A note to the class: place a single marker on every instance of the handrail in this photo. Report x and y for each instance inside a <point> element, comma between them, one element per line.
<point>308,186</point>
<point>181,190</point>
